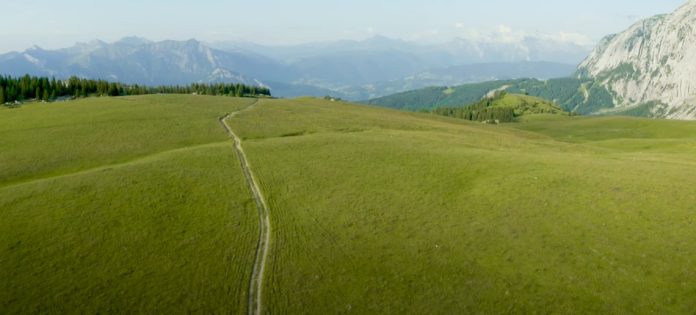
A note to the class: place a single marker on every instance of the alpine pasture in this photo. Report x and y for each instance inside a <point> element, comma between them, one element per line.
<point>139,204</point>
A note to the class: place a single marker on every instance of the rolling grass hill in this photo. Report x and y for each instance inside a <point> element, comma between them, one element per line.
<point>122,205</point>
<point>373,210</point>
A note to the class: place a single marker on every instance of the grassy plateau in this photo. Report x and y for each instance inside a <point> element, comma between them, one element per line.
<point>139,205</point>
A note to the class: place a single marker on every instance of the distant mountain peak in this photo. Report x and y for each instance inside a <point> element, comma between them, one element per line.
<point>94,43</point>
<point>133,41</point>
<point>381,38</point>
<point>137,60</point>
<point>89,46</point>
<point>34,48</point>
<point>650,65</point>
<point>690,3</point>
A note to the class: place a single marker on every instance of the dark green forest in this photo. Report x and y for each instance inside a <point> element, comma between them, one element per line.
<point>19,89</point>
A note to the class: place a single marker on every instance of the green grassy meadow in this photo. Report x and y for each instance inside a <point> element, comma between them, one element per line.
<point>388,212</point>
<point>126,205</point>
<point>138,204</point>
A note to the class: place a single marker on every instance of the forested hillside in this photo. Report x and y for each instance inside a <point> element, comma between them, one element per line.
<point>570,94</point>
<point>501,108</point>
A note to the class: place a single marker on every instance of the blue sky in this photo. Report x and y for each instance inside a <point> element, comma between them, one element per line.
<point>55,24</point>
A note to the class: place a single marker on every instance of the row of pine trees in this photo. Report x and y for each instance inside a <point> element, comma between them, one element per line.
<point>28,87</point>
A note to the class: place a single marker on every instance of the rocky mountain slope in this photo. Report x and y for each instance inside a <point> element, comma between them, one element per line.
<point>650,68</point>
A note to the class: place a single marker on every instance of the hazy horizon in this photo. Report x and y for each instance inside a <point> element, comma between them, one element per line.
<point>59,25</point>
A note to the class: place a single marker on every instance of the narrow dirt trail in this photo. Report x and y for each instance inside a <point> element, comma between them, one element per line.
<point>255,305</point>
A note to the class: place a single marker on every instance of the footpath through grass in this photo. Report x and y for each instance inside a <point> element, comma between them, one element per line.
<point>123,205</point>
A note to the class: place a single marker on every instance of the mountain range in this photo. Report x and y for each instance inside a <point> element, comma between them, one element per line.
<point>647,70</point>
<point>139,61</point>
<point>353,70</point>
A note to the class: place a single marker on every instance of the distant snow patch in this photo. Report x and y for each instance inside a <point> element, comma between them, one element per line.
<point>32,59</point>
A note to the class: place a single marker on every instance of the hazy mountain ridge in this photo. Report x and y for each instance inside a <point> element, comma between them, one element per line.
<point>353,70</point>
<point>433,55</point>
<point>380,65</point>
<point>139,61</point>
<point>650,66</point>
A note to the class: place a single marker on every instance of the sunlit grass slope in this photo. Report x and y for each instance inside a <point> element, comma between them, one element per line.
<point>138,205</point>
<point>123,205</point>
<point>376,211</point>
<point>51,139</point>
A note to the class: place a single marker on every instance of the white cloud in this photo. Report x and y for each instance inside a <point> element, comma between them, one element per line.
<point>569,37</point>
<point>501,34</point>
<point>506,34</point>
<point>433,35</point>
<point>504,29</point>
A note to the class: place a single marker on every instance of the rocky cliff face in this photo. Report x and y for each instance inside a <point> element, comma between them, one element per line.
<point>651,66</point>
